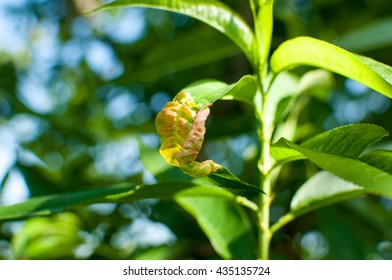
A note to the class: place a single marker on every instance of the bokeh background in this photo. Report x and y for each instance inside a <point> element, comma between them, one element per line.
<point>78,96</point>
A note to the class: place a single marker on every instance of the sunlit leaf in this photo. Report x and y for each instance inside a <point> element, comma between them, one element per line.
<point>373,179</point>
<point>283,154</point>
<point>313,52</point>
<point>232,236</point>
<point>209,91</point>
<point>348,141</point>
<point>264,21</point>
<point>214,13</point>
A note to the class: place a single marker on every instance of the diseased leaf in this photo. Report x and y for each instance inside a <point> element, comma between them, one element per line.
<point>226,225</point>
<point>181,123</point>
<point>313,52</point>
<point>181,127</point>
<point>214,13</point>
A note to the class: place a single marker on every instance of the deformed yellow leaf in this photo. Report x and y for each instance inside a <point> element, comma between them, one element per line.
<point>181,127</point>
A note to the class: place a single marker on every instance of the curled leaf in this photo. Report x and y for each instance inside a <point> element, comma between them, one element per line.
<point>181,127</point>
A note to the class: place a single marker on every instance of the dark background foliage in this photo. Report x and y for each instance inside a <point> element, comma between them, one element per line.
<point>78,97</point>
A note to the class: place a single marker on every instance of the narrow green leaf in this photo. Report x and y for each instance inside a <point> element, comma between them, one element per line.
<point>226,225</point>
<point>45,205</point>
<point>321,190</point>
<point>313,52</point>
<point>263,26</point>
<point>370,37</point>
<point>211,12</point>
<point>224,178</point>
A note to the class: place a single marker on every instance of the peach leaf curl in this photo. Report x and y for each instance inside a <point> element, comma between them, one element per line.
<point>181,127</point>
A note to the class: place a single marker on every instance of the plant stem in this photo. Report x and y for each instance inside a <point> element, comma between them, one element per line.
<point>265,165</point>
<point>262,13</point>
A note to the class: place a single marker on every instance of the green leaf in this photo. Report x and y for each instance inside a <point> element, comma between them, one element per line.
<point>383,70</point>
<point>284,86</point>
<point>45,205</point>
<point>381,159</point>
<point>318,83</point>
<point>224,178</point>
<point>54,237</point>
<point>263,26</point>
<point>283,154</point>
<point>211,12</point>
<point>209,91</point>
<point>205,88</point>
<point>313,52</point>
<point>321,190</point>
<point>348,141</point>
<point>369,37</point>
<point>373,179</point>
<point>226,225</point>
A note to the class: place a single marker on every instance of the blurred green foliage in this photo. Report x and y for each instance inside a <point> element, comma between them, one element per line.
<point>78,97</point>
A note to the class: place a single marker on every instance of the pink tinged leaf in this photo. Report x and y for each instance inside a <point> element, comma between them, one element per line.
<point>195,138</point>
<point>200,169</point>
<point>181,127</point>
